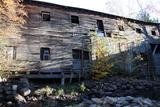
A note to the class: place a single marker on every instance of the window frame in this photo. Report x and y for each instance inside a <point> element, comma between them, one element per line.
<point>42,54</point>
<point>45,13</point>
<point>100,25</point>
<point>74,19</point>
<point>86,55</point>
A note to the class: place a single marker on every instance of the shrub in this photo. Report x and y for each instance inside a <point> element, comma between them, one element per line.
<point>59,92</point>
<point>82,87</point>
<point>45,91</point>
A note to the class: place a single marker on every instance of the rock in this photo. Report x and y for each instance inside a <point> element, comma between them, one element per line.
<point>122,101</point>
<point>108,100</point>
<point>20,99</point>
<point>97,100</point>
<point>82,105</point>
<point>148,102</point>
<point>93,105</point>
<point>129,98</point>
<point>25,91</point>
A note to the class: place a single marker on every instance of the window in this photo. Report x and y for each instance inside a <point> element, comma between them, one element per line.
<point>138,30</point>
<point>77,54</point>
<point>75,19</point>
<point>46,16</point>
<point>108,34</point>
<point>120,27</point>
<point>86,55</point>
<point>100,25</point>
<point>153,32</point>
<point>11,53</point>
<point>45,53</point>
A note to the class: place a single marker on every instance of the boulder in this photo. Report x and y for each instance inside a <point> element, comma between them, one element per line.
<point>108,100</point>
<point>25,91</point>
<point>20,99</point>
<point>148,102</point>
<point>97,100</point>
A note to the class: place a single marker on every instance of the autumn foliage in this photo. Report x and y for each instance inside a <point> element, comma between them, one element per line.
<point>101,66</point>
<point>12,17</point>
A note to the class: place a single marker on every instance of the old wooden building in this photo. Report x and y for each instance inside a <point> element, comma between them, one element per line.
<point>56,38</point>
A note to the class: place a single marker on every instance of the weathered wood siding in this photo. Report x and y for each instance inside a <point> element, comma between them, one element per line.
<point>61,36</point>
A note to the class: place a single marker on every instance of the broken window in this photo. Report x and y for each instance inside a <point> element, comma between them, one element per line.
<point>46,16</point>
<point>77,54</point>
<point>120,27</point>
<point>75,19</point>
<point>45,53</point>
<point>153,32</point>
<point>138,30</point>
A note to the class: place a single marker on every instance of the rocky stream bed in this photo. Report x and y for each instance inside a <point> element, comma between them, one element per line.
<point>108,92</point>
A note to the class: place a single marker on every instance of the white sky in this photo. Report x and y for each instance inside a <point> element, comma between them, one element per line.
<point>127,8</point>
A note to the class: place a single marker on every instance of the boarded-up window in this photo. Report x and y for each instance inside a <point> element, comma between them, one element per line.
<point>45,53</point>
<point>75,19</point>
<point>46,16</point>
<point>153,32</point>
<point>11,52</point>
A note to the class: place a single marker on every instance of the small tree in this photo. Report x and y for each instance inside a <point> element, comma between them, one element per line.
<point>145,16</point>
<point>101,66</point>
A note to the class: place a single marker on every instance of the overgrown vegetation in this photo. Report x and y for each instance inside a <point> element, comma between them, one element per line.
<point>70,89</point>
<point>101,65</point>
<point>46,91</point>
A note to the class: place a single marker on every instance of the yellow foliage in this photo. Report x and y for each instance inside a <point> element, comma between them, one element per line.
<point>101,66</point>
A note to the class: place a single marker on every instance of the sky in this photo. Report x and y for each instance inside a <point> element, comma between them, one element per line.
<point>126,8</point>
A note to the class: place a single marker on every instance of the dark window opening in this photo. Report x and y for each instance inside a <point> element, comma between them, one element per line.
<point>92,30</point>
<point>138,30</point>
<point>86,55</point>
<point>153,32</point>
<point>77,54</point>
<point>46,16</point>
<point>75,19</point>
<point>100,25</point>
<point>108,34</point>
<point>45,53</point>
<point>120,27</point>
